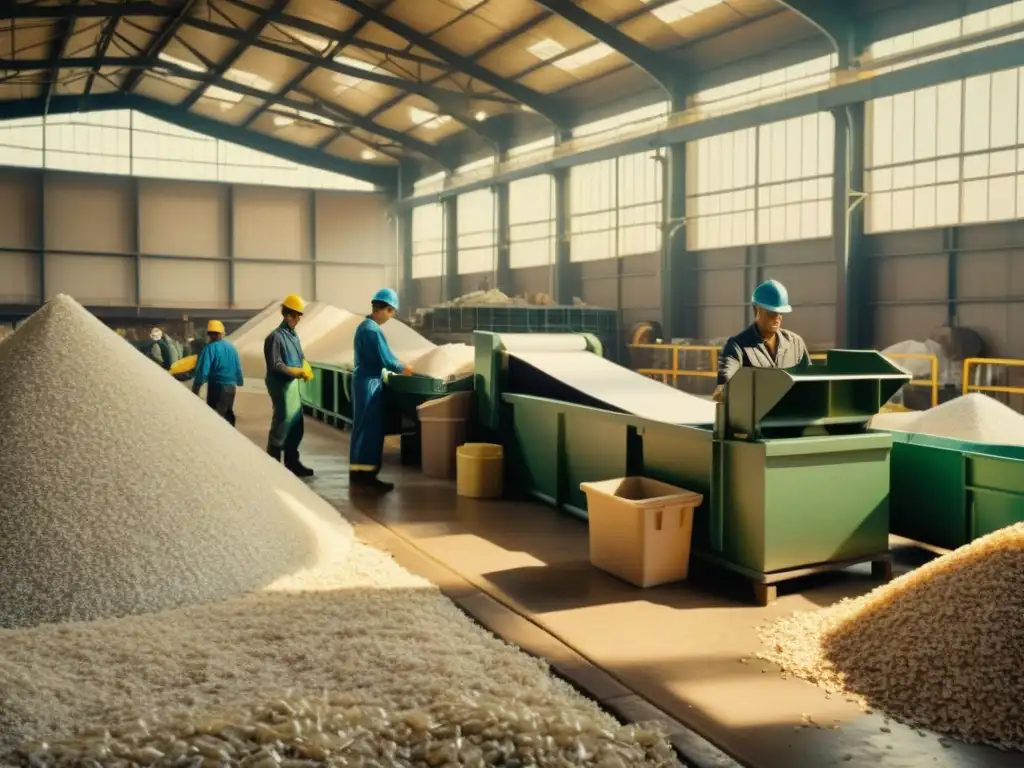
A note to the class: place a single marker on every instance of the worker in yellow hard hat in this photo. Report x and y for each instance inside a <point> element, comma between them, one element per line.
<point>282,352</point>
<point>220,369</point>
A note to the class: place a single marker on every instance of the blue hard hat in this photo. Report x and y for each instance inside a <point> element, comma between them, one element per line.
<point>773,296</point>
<point>388,296</point>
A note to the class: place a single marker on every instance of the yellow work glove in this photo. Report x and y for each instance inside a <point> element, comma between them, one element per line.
<point>719,393</point>
<point>295,373</point>
<point>307,371</point>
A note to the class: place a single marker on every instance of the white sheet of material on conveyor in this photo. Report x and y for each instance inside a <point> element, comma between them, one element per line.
<point>564,357</point>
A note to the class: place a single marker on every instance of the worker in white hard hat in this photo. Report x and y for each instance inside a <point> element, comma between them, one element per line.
<point>373,356</point>
<point>764,344</point>
<point>286,366</point>
<point>220,369</point>
<point>160,351</point>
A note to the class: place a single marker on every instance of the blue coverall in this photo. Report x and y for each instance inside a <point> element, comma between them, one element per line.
<point>373,357</point>
<point>220,368</point>
<point>282,349</point>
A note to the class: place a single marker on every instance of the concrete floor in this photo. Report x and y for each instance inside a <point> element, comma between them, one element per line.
<point>686,649</point>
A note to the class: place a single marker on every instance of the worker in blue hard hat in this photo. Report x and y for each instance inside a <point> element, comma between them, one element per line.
<point>765,344</point>
<point>220,369</point>
<point>373,356</point>
<point>282,352</point>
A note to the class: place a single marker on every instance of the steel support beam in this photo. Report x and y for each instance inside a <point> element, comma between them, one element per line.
<point>383,176</point>
<point>503,268</point>
<point>835,20</point>
<point>544,105</point>
<point>450,280</point>
<point>88,10</point>
<point>403,225</point>
<point>866,87</point>
<point>136,217</point>
<point>159,41</point>
<point>229,227</point>
<point>853,299</point>
<point>41,234</point>
<point>312,243</point>
<point>332,112</point>
<point>62,34</point>
<point>103,44</point>
<point>247,38</point>
<point>679,295</point>
<point>661,70</point>
<point>563,287</point>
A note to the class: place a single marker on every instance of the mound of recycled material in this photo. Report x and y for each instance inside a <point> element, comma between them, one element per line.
<point>939,648</point>
<point>83,533</point>
<point>975,418</point>
<point>447,362</point>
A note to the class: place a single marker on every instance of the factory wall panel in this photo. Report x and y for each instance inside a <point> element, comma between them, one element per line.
<point>354,228</point>
<point>807,269</point>
<point>98,280</point>
<point>641,292</point>
<point>426,292</point>
<point>476,281</point>
<point>19,277</point>
<point>90,213</point>
<point>531,280</point>
<point>599,282</point>
<point>19,209</point>
<point>910,286</point>
<point>722,292</point>
<point>184,283</point>
<point>180,218</point>
<point>350,287</point>
<point>272,223</point>
<point>256,285</point>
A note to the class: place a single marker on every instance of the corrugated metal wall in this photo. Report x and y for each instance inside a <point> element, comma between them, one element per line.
<point>122,242</point>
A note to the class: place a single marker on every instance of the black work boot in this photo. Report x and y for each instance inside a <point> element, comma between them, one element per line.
<point>368,481</point>
<point>293,465</point>
<point>275,454</point>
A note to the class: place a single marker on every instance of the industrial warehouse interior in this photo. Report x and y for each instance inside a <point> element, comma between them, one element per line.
<point>610,383</point>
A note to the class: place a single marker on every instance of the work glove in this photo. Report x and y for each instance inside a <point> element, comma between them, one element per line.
<point>307,371</point>
<point>719,393</point>
<point>295,373</point>
<point>407,371</point>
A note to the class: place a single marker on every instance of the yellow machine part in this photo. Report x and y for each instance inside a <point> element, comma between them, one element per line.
<point>894,408</point>
<point>184,365</point>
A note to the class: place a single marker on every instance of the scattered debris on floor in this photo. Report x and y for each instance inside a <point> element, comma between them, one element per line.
<point>335,666</point>
<point>938,648</point>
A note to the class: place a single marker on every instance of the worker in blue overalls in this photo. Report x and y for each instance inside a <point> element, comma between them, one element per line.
<point>282,352</point>
<point>220,369</point>
<point>373,356</point>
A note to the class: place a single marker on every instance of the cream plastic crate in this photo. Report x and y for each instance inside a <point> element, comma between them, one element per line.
<point>640,529</point>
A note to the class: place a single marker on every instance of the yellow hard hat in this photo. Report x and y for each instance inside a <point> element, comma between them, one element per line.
<point>294,302</point>
<point>215,326</point>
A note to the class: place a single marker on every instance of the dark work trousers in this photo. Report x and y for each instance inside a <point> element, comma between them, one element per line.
<point>221,397</point>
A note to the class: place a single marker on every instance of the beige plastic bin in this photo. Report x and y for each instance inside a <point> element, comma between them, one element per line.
<point>480,470</point>
<point>640,529</point>
<point>444,426</point>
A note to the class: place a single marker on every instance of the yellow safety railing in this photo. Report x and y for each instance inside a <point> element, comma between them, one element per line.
<point>674,373</point>
<point>975,361</point>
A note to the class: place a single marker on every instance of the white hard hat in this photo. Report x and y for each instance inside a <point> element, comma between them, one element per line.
<point>156,334</point>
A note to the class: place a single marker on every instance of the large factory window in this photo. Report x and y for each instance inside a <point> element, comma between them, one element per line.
<point>764,88</point>
<point>478,242</point>
<point>130,143</point>
<point>428,241</point>
<point>592,193</point>
<point>531,214</point>
<point>639,203</point>
<point>950,154</point>
<point>767,184</point>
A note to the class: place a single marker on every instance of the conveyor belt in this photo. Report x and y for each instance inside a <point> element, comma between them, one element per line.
<point>565,359</point>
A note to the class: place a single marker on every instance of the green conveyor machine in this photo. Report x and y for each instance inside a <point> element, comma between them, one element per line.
<point>794,482</point>
<point>328,397</point>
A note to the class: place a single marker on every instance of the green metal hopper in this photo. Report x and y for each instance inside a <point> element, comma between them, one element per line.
<point>799,484</point>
